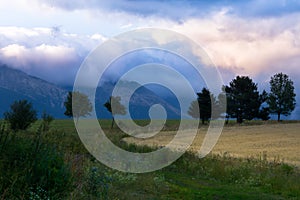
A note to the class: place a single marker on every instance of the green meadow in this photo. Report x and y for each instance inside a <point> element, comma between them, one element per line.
<point>54,164</point>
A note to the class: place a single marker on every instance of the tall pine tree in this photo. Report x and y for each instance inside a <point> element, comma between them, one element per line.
<point>203,105</point>
<point>243,99</point>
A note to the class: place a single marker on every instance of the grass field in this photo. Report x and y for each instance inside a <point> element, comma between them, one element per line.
<point>55,165</point>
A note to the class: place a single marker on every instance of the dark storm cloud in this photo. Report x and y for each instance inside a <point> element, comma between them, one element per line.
<point>181,10</point>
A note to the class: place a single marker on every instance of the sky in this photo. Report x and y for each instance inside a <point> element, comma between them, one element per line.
<point>50,38</point>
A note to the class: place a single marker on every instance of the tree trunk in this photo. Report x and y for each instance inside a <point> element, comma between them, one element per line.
<point>112,123</point>
<point>227,119</point>
<point>239,119</point>
<point>278,117</point>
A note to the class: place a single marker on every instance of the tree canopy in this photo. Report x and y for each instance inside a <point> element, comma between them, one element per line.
<point>21,115</point>
<point>282,96</point>
<point>243,99</point>
<point>194,110</point>
<point>203,104</point>
<point>117,109</point>
<point>77,105</point>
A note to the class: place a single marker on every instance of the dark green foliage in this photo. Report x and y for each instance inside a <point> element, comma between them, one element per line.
<point>202,105</point>
<point>77,105</point>
<point>264,113</point>
<point>206,100</point>
<point>117,109</point>
<point>282,97</point>
<point>28,173</point>
<point>194,110</point>
<point>21,115</point>
<point>50,172</point>
<point>3,135</point>
<point>46,120</point>
<point>243,99</point>
<point>68,105</point>
<point>97,183</point>
<point>263,97</point>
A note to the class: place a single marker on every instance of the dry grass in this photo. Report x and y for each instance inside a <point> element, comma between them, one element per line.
<point>280,142</point>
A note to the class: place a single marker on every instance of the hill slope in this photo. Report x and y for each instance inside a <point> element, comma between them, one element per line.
<point>17,85</point>
<point>139,103</point>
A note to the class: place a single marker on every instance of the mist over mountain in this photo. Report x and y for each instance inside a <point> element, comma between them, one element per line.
<point>139,103</point>
<point>45,96</point>
<point>17,85</point>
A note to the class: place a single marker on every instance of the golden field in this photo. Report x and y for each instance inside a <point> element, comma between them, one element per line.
<point>279,142</point>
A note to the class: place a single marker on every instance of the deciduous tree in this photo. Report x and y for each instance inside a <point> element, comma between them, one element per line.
<point>282,97</point>
<point>117,109</point>
<point>77,105</point>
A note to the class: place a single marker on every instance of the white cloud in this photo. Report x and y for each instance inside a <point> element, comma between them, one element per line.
<point>19,33</point>
<point>48,53</point>
<point>98,37</point>
<point>43,56</point>
<point>247,46</point>
<point>126,26</point>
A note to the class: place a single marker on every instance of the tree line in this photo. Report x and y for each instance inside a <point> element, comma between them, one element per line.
<point>244,102</point>
<point>82,106</point>
<point>22,114</point>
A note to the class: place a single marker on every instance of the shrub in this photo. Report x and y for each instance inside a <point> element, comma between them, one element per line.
<point>97,183</point>
<point>50,173</point>
<point>30,174</point>
<point>21,115</point>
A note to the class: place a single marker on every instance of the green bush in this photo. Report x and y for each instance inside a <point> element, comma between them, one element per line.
<point>97,183</point>
<point>50,172</point>
<point>26,172</point>
<point>21,115</point>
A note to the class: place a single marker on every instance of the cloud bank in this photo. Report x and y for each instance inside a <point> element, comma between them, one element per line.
<point>46,52</point>
<point>50,38</point>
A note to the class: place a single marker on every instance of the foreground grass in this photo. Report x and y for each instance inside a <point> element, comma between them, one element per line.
<point>61,168</point>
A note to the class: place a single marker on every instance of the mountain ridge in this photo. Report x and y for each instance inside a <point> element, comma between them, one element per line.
<point>16,85</point>
<point>45,96</point>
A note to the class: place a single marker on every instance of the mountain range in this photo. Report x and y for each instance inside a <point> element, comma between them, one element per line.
<point>46,96</point>
<point>49,97</point>
<point>139,103</point>
<point>17,85</point>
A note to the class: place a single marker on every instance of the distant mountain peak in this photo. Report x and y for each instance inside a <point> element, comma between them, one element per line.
<point>16,85</point>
